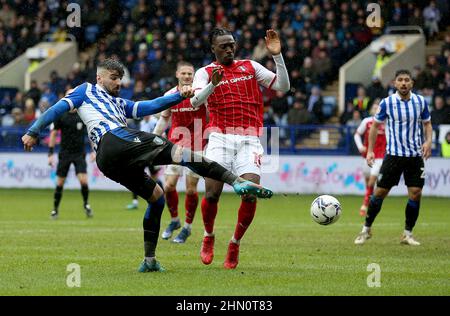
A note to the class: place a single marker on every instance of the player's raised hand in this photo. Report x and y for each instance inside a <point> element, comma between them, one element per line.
<point>273,43</point>
<point>186,91</point>
<point>426,150</point>
<point>217,75</point>
<point>28,142</point>
<point>370,158</point>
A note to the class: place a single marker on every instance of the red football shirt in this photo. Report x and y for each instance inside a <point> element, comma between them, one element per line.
<point>188,124</point>
<point>380,144</point>
<point>236,105</point>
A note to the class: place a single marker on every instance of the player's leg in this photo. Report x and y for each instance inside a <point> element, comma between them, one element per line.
<point>190,204</point>
<point>61,173</point>
<point>57,196</point>
<point>81,172</point>
<point>172,174</point>
<point>414,180</point>
<point>247,163</point>
<point>390,172</point>
<point>370,184</point>
<point>124,162</point>
<point>209,207</point>
<point>83,179</point>
<point>369,191</point>
<point>136,180</point>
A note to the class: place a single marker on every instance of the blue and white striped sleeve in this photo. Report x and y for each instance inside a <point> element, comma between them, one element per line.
<point>147,107</point>
<point>72,100</point>
<point>381,114</point>
<point>76,97</point>
<point>425,114</point>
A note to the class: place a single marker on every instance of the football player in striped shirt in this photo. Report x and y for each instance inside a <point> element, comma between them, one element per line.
<point>406,115</point>
<point>235,106</point>
<point>124,153</point>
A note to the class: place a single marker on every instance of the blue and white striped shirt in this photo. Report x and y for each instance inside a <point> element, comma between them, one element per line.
<point>404,134</point>
<point>101,112</point>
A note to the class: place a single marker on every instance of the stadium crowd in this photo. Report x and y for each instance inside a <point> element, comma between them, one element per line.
<point>151,37</point>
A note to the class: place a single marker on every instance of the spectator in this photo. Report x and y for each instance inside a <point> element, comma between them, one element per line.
<point>445,146</point>
<point>441,113</point>
<point>280,109</point>
<point>432,16</point>
<point>34,92</point>
<point>382,59</point>
<point>361,101</point>
<point>315,104</point>
<point>29,113</point>
<point>298,114</point>
<point>355,120</point>
<point>376,90</point>
<point>18,117</point>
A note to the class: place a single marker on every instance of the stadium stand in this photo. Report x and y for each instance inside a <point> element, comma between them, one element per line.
<point>151,37</point>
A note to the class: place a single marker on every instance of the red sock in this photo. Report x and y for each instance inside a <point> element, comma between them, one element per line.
<point>369,192</point>
<point>190,204</point>
<point>245,217</point>
<point>172,202</point>
<point>209,212</point>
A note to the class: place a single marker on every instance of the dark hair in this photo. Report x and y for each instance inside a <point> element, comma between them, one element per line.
<point>218,31</point>
<point>403,72</point>
<point>183,63</point>
<point>112,64</point>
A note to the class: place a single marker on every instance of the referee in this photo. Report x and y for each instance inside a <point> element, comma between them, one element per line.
<point>72,151</point>
<point>406,113</point>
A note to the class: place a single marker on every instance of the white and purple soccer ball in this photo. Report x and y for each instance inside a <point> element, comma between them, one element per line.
<point>325,210</point>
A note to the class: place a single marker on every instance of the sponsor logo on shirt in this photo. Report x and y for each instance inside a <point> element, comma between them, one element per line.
<point>234,80</point>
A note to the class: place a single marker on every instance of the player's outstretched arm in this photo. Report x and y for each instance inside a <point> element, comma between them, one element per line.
<point>273,45</point>
<point>49,116</point>
<point>149,107</point>
<point>205,89</point>
<point>163,122</point>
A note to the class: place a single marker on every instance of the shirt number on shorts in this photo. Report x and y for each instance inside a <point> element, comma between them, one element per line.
<point>258,158</point>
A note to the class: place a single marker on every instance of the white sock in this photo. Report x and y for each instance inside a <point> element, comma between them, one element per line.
<point>150,259</point>
<point>407,233</point>
<point>365,229</point>
<point>188,226</point>
<point>175,219</point>
<point>135,202</point>
<point>234,240</point>
<point>208,235</point>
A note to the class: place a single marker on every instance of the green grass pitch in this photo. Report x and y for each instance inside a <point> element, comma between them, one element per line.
<point>283,253</point>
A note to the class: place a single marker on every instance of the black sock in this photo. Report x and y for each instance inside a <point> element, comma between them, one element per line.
<point>151,224</point>
<point>411,214</point>
<point>373,210</point>
<point>57,197</point>
<point>85,193</point>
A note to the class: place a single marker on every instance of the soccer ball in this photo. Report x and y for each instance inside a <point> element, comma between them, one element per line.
<point>325,210</point>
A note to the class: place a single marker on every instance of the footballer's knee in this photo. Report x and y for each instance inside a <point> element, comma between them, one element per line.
<point>250,198</point>
<point>157,193</point>
<point>415,194</point>
<point>212,197</point>
<point>190,191</point>
<point>169,187</point>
